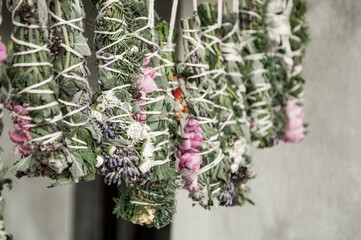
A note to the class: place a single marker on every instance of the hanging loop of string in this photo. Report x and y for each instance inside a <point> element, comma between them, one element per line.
<point>172,23</point>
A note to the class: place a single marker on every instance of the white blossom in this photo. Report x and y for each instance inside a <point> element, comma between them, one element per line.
<point>147,154</point>
<point>134,49</point>
<point>137,131</point>
<point>100,107</point>
<point>234,167</point>
<point>100,161</point>
<point>97,115</point>
<point>236,153</point>
<point>109,100</point>
<point>148,149</point>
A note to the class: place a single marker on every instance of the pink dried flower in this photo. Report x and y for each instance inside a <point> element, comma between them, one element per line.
<point>191,142</point>
<point>141,117</point>
<point>190,181</point>
<point>146,85</point>
<point>192,126</point>
<point>189,161</point>
<point>146,82</point>
<point>146,61</point>
<point>295,131</point>
<point>3,52</point>
<point>21,135</point>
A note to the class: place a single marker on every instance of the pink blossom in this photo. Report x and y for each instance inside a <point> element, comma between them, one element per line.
<point>190,181</point>
<point>147,85</point>
<point>17,137</point>
<point>3,52</point>
<point>146,61</point>
<point>150,72</point>
<point>189,161</point>
<point>21,135</point>
<point>141,117</point>
<point>191,142</point>
<point>295,131</point>
<point>192,126</point>
<point>146,82</point>
<point>24,149</point>
<point>18,109</point>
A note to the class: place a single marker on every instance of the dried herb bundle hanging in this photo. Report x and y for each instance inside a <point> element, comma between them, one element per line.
<point>152,203</point>
<point>256,76</point>
<point>278,61</point>
<point>201,161</point>
<point>69,50</point>
<point>35,111</point>
<point>132,110</point>
<point>231,47</point>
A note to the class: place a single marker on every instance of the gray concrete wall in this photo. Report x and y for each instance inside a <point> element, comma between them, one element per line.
<point>310,191</point>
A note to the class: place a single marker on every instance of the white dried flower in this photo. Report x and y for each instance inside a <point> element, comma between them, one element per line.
<point>234,167</point>
<point>137,132</point>
<point>148,149</point>
<point>100,107</point>
<point>134,49</point>
<point>100,161</point>
<point>97,115</point>
<point>236,153</point>
<point>109,100</point>
<point>147,154</point>
<point>238,149</point>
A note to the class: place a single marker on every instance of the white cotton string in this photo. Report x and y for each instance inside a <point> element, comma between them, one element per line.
<point>210,166</point>
<point>108,3</point>
<point>235,6</point>
<point>215,191</point>
<point>220,13</point>
<point>172,23</point>
<point>30,89</point>
<point>66,22</point>
<point>151,101</point>
<point>251,13</point>
<point>49,138</point>
<point>76,124</point>
<point>195,5</point>
<point>146,203</point>
<point>151,14</point>
<point>69,49</point>
<point>61,74</point>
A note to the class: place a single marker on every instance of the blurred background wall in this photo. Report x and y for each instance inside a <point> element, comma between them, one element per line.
<point>310,191</point>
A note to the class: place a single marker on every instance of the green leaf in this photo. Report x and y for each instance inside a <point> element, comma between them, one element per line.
<point>23,165</point>
<point>81,45</point>
<point>77,166</point>
<point>89,156</point>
